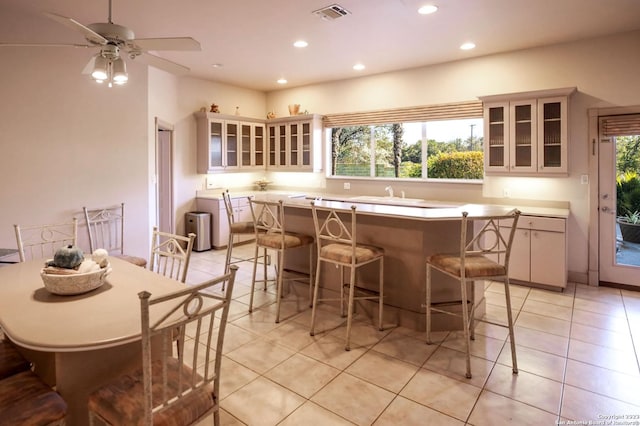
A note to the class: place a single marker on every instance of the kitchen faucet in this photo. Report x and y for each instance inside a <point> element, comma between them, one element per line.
<point>389,189</point>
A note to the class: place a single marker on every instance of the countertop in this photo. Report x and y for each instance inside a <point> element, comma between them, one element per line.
<point>393,206</point>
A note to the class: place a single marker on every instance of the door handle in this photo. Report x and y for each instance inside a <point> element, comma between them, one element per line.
<point>606,209</point>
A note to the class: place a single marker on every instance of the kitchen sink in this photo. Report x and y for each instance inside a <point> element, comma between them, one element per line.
<point>387,200</point>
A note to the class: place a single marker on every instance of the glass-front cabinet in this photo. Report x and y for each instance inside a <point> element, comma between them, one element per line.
<point>527,134</point>
<point>292,141</point>
<point>229,142</point>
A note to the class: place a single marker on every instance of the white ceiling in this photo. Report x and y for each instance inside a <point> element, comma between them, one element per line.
<point>253,38</point>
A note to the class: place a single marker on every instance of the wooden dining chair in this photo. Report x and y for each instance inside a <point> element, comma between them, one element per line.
<point>42,241</point>
<point>105,227</point>
<point>11,361</point>
<point>170,254</point>
<point>169,389</point>
<point>26,400</point>
<point>269,222</point>
<point>484,255</point>
<point>337,245</point>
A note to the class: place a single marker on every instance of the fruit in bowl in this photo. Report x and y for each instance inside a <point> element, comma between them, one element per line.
<point>69,273</point>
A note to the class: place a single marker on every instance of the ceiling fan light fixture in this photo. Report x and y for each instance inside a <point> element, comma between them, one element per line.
<point>120,75</point>
<point>100,68</point>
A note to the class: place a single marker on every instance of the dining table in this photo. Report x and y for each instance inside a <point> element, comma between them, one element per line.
<point>77,343</point>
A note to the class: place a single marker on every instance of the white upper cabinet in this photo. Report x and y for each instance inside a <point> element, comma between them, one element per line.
<point>294,143</point>
<point>527,133</point>
<point>229,143</point>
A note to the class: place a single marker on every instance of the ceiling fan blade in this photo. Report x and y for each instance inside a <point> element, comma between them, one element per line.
<point>163,64</point>
<point>88,33</point>
<point>43,45</point>
<point>166,43</point>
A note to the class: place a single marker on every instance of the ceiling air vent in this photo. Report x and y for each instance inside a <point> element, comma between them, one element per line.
<point>332,12</point>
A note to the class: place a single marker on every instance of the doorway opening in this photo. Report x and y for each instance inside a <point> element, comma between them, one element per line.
<point>164,177</point>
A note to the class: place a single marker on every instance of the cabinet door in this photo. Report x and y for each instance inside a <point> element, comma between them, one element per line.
<point>519,262</point>
<point>306,144</point>
<point>246,145</point>
<point>242,213</point>
<point>552,135</point>
<point>215,143</point>
<point>295,142</point>
<point>282,145</point>
<point>496,125</point>
<point>548,261</point>
<point>232,143</point>
<point>272,145</point>
<point>523,136</point>
<point>258,144</point>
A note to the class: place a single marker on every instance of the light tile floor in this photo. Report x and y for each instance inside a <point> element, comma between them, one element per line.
<point>577,354</point>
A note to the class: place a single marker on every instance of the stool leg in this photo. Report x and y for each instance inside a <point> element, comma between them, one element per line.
<point>381,296</point>
<point>279,280</point>
<point>314,300</point>
<point>253,278</point>
<point>352,284</point>
<point>342,291</point>
<point>465,324</point>
<point>510,319</point>
<point>227,260</point>
<point>428,316</point>
<point>264,267</point>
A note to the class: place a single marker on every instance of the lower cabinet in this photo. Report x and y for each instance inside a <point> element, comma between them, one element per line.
<point>539,252</point>
<point>220,223</point>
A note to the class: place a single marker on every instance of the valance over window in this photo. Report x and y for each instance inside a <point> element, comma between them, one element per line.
<point>458,110</point>
<point>621,125</point>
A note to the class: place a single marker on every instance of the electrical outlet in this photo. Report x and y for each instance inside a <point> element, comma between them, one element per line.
<point>346,185</point>
<point>506,192</point>
<point>584,179</point>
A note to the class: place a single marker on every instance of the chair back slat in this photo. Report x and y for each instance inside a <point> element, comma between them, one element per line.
<point>42,241</point>
<point>170,254</point>
<point>203,310</point>
<point>268,216</point>
<point>330,227</point>
<point>106,228</point>
<point>488,237</point>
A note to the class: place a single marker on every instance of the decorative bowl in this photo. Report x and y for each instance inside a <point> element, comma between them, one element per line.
<point>71,284</point>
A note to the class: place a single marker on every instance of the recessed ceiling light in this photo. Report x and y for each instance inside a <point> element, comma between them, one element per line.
<point>358,67</point>
<point>427,9</point>
<point>282,81</point>
<point>300,43</point>
<point>467,46</point>
<point>217,65</point>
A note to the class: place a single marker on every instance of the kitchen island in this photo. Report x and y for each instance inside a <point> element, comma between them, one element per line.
<point>408,234</point>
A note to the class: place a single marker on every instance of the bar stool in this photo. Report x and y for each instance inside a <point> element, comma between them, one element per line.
<point>336,244</point>
<point>485,256</point>
<point>268,219</point>
<point>236,227</point>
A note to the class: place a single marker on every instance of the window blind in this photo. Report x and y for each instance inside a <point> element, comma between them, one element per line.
<point>459,110</point>
<point>620,125</point>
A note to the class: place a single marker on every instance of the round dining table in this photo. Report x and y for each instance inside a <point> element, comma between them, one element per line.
<point>78,342</point>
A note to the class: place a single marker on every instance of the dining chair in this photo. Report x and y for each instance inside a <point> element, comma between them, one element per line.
<point>236,227</point>
<point>170,254</point>
<point>484,255</point>
<point>11,361</point>
<point>336,240</point>
<point>26,400</point>
<point>271,235</point>
<point>106,231</point>
<point>169,389</point>
<point>42,241</point>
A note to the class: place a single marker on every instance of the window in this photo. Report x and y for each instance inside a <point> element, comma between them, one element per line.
<point>437,142</point>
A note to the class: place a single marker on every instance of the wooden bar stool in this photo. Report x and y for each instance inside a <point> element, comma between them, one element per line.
<point>336,244</point>
<point>485,256</point>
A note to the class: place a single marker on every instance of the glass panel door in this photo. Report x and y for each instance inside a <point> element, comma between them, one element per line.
<point>293,154</point>
<point>232,144</point>
<point>215,144</point>
<point>496,130</point>
<point>259,145</point>
<point>245,143</point>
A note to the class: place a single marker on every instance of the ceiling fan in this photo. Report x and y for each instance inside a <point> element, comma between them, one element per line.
<point>112,40</point>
